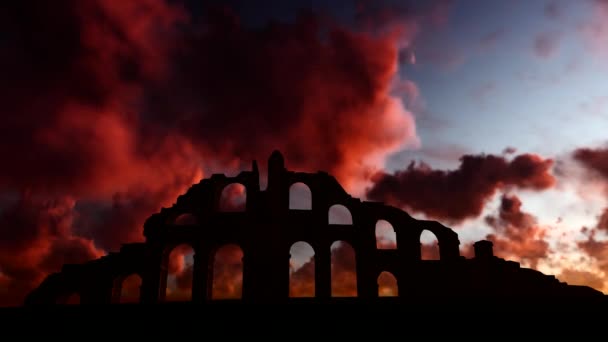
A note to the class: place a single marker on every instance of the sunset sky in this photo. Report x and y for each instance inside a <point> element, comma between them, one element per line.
<point>489,116</point>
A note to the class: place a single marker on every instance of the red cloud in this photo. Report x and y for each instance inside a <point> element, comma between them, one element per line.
<point>285,87</point>
<point>343,275</point>
<point>35,240</point>
<point>70,80</point>
<point>597,251</point>
<point>595,160</point>
<point>302,281</point>
<point>118,106</point>
<point>462,193</point>
<point>517,234</point>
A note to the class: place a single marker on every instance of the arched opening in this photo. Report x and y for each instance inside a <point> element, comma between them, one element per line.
<point>343,270</point>
<point>301,270</point>
<point>300,197</point>
<point>339,214</point>
<point>429,246</point>
<point>387,285</point>
<point>227,273</point>
<point>386,238</point>
<point>185,219</point>
<point>179,274</point>
<point>129,289</point>
<point>73,299</point>
<point>233,198</point>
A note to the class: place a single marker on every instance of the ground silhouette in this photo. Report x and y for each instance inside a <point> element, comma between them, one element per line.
<point>265,228</point>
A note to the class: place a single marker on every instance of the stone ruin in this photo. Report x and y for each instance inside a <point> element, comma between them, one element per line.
<point>266,229</point>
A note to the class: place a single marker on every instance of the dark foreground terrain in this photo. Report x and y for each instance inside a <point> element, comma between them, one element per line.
<point>304,316</point>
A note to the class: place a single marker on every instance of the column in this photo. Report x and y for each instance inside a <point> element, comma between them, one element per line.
<point>154,280</point>
<point>200,277</point>
<point>323,273</point>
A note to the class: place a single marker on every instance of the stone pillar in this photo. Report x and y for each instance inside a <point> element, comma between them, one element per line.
<point>449,250</point>
<point>97,291</point>
<point>483,249</point>
<point>367,285</point>
<point>408,244</point>
<point>117,289</point>
<point>201,287</point>
<point>249,291</point>
<point>323,273</point>
<point>154,279</point>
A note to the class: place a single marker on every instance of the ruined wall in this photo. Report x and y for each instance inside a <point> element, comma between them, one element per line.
<point>265,229</point>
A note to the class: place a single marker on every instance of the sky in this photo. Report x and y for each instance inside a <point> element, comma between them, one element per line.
<point>488,116</point>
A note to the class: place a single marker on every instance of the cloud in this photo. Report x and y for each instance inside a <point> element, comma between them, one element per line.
<point>387,285</point>
<point>113,109</point>
<point>595,160</point>
<point>107,94</point>
<point>509,150</point>
<point>302,280</point>
<point>228,272</point>
<point>546,44</point>
<point>121,220</point>
<point>35,240</point>
<point>597,250</point>
<point>595,172</point>
<point>430,251</point>
<point>578,277</point>
<point>602,223</point>
<point>72,72</point>
<point>457,195</point>
<point>517,234</point>
<point>120,79</point>
<point>343,274</point>
<point>342,81</point>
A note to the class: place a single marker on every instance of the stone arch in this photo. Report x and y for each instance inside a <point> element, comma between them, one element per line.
<point>339,214</point>
<point>179,265</point>
<point>300,196</point>
<point>429,246</point>
<point>129,287</point>
<point>343,270</point>
<point>387,285</point>
<point>233,198</point>
<point>386,237</point>
<point>226,265</point>
<point>185,220</point>
<point>301,270</point>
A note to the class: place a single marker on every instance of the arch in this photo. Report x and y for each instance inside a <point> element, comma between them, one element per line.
<point>301,270</point>
<point>179,274</point>
<point>130,289</point>
<point>386,238</point>
<point>233,198</point>
<point>339,214</point>
<point>185,219</point>
<point>387,285</point>
<point>227,275</point>
<point>429,246</point>
<point>300,197</point>
<point>343,270</point>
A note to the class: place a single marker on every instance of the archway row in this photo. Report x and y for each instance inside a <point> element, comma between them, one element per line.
<point>226,267</point>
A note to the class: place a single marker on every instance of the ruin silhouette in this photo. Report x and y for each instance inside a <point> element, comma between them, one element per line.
<point>266,229</point>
